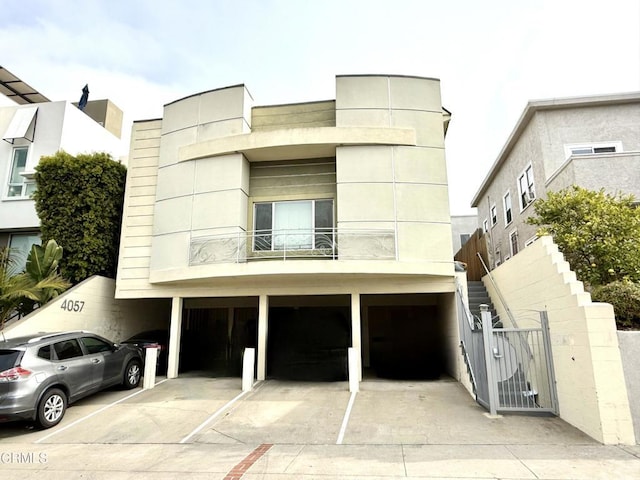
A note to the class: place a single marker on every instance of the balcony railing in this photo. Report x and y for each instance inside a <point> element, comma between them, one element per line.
<point>324,243</point>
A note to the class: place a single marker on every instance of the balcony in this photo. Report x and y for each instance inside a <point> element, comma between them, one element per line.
<point>264,245</point>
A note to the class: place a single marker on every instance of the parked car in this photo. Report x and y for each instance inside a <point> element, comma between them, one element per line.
<point>151,338</point>
<point>40,375</point>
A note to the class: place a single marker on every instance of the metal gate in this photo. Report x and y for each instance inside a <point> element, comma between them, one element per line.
<point>511,369</point>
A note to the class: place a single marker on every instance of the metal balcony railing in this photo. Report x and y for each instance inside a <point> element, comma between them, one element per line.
<point>321,243</point>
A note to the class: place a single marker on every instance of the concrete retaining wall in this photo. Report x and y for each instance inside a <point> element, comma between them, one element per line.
<point>592,392</point>
<point>91,306</point>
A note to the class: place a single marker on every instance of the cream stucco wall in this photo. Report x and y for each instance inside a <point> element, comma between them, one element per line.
<point>190,178</point>
<point>96,311</point>
<point>591,387</point>
<point>398,187</point>
<point>204,196</point>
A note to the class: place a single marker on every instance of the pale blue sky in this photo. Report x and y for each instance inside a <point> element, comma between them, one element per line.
<point>491,56</point>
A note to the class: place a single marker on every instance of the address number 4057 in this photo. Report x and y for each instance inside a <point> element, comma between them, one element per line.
<point>72,305</point>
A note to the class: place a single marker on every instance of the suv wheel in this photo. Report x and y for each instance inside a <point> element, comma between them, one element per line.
<point>51,408</point>
<point>132,374</point>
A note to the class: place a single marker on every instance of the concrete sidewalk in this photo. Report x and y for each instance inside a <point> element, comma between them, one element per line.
<point>328,462</point>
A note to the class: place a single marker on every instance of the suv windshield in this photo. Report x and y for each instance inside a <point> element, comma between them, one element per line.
<point>8,359</point>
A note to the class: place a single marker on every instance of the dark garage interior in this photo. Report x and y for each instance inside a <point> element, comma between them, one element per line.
<point>308,338</point>
<point>405,340</point>
<point>213,339</point>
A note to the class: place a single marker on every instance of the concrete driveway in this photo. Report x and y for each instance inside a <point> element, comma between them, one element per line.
<point>195,409</point>
<point>198,427</point>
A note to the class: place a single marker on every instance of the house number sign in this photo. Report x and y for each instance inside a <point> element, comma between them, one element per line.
<point>72,305</point>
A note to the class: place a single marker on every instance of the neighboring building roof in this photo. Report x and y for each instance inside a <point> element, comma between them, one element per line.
<point>17,90</point>
<point>551,104</point>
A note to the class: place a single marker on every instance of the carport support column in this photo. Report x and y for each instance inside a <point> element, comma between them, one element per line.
<point>263,322</point>
<point>175,329</point>
<point>356,334</point>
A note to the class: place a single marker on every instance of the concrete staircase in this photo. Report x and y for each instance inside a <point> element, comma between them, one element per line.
<point>516,392</point>
<point>478,295</point>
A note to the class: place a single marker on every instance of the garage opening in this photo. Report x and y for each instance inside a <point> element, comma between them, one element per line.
<point>308,338</point>
<point>404,337</point>
<point>215,333</point>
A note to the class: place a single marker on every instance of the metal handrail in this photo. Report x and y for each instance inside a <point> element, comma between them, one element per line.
<point>469,366</point>
<point>467,312</point>
<point>504,303</point>
<point>523,340</point>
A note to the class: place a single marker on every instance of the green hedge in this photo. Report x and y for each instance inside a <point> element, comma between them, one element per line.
<point>625,298</point>
<point>79,201</point>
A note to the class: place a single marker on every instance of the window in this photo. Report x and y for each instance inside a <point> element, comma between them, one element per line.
<point>526,188</point>
<point>498,256</point>
<point>594,148</point>
<point>45,352</point>
<point>464,238</point>
<point>506,202</point>
<point>18,185</point>
<point>513,240</point>
<point>67,349</point>
<point>494,215</point>
<point>20,246</point>
<point>530,241</point>
<point>294,225</point>
<point>95,345</point>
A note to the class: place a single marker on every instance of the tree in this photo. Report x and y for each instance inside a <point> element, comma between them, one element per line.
<point>42,270</point>
<point>598,233</point>
<point>24,291</point>
<point>79,201</point>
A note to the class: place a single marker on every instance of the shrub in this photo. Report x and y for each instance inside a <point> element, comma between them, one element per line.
<point>79,201</point>
<point>598,233</point>
<point>625,298</point>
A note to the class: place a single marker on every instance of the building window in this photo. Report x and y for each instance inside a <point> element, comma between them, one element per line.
<point>18,185</point>
<point>526,188</point>
<point>506,201</point>
<point>464,238</point>
<point>494,215</point>
<point>19,248</point>
<point>530,241</point>
<point>594,148</point>
<point>294,225</point>
<point>513,240</point>
<point>498,256</point>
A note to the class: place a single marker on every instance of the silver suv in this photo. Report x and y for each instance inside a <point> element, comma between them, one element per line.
<point>41,375</point>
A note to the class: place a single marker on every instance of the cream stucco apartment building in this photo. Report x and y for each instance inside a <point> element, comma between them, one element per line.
<point>300,229</point>
<point>32,128</point>
<point>590,141</point>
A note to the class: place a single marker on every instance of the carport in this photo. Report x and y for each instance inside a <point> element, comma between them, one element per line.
<point>307,337</point>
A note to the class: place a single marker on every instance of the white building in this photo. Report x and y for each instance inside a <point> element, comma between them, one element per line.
<point>32,130</point>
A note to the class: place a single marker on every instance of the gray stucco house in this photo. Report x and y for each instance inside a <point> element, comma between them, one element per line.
<point>593,142</point>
